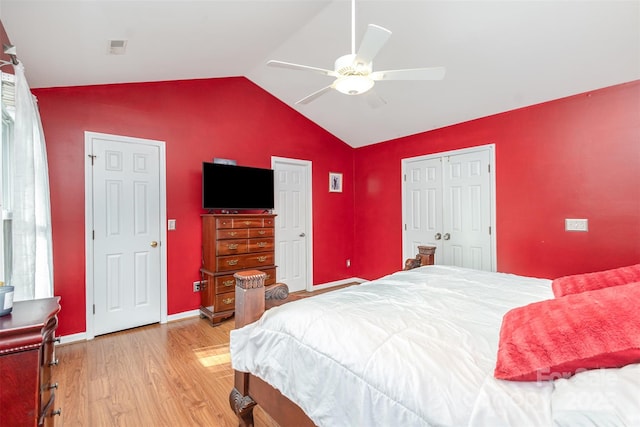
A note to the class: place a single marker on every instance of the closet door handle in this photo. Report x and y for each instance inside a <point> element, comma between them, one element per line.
<point>446,236</point>
<point>438,236</point>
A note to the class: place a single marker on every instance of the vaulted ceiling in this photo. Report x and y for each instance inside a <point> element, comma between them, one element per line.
<point>499,55</point>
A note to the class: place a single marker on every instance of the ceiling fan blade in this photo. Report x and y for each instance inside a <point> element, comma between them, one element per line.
<point>434,73</point>
<point>373,99</point>
<point>307,99</point>
<point>373,40</point>
<point>291,66</point>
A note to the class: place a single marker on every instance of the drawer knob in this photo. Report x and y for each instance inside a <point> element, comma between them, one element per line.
<point>233,246</point>
<point>228,301</point>
<point>233,261</point>
<point>262,258</point>
<point>232,233</point>
<point>262,232</point>
<point>247,223</point>
<point>54,362</point>
<point>56,412</point>
<point>262,244</point>
<point>227,283</point>
<point>53,386</point>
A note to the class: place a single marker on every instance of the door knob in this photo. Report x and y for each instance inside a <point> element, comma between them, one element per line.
<point>438,236</point>
<point>446,236</point>
<point>302,234</point>
<point>154,244</point>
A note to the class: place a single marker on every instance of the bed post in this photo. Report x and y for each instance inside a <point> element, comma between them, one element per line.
<point>425,256</point>
<point>249,308</point>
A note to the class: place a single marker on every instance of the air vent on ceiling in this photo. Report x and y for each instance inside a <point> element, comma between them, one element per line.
<point>117,47</point>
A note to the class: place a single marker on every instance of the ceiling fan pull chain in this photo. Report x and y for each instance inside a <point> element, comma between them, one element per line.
<point>353,27</point>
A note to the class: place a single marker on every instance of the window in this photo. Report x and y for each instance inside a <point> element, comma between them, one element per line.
<point>7,97</point>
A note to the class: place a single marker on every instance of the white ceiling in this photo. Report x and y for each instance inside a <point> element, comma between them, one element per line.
<point>499,55</point>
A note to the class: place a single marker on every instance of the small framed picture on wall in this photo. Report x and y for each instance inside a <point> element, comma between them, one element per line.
<point>335,182</point>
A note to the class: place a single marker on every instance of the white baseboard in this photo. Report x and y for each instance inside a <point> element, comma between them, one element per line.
<point>336,283</point>
<point>183,315</point>
<point>68,339</point>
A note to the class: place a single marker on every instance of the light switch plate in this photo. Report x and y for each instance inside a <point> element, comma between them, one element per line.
<point>171,224</point>
<point>573,224</point>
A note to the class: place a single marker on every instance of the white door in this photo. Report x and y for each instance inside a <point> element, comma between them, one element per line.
<point>126,261</point>
<point>466,205</point>
<point>448,202</point>
<point>423,206</point>
<point>293,222</point>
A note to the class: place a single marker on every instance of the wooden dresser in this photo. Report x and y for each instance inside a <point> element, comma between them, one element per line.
<point>231,243</point>
<point>27,363</point>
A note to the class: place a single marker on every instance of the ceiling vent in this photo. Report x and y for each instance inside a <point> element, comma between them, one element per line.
<point>117,47</point>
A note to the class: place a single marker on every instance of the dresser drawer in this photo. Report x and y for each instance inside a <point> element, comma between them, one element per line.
<point>260,245</point>
<point>231,247</point>
<point>269,222</point>
<point>225,302</point>
<point>241,262</point>
<point>271,276</point>
<point>225,283</point>
<point>234,233</point>
<point>248,222</point>
<point>260,232</point>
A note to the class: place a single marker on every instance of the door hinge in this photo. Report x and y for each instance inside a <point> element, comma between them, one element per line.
<point>489,230</point>
<point>92,157</point>
<point>489,168</point>
<point>405,177</point>
<point>93,234</point>
<point>94,309</point>
<point>405,227</point>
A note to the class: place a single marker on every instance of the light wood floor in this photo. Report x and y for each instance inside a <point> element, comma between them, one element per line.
<point>177,374</point>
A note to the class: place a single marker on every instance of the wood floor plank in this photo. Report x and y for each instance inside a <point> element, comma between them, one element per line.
<point>177,374</point>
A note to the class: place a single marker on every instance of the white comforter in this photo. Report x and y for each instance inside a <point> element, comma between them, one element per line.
<point>419,348</point>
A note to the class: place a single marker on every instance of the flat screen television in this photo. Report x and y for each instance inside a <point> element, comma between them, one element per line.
<point>236,187</point>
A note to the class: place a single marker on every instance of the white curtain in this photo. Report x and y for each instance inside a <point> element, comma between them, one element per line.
<point>32,269</point>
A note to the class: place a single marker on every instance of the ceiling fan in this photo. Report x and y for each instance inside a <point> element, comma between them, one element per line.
<point>354,73</point>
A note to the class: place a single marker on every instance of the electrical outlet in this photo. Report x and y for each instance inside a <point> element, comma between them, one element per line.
<point>196,286</point>
<point>572,224</point>
<point>348,263</point>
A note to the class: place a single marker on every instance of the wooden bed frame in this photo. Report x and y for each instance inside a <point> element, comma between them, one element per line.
<point>252,298</point>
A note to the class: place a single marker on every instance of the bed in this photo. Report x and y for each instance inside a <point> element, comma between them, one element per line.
<point>415,348</point>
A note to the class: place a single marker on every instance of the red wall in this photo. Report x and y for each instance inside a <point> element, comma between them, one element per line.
<point>574,157</point>
<point>577,157</point>
<point>198,120</point>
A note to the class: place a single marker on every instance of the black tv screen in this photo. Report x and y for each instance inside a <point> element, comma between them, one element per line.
<point>236,187</point>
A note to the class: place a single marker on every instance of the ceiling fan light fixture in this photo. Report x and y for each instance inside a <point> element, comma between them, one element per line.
<point>353,85</point>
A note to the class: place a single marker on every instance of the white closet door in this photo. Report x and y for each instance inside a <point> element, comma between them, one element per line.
<point>423,205</point>
<point>448,203</point>
<point>466,210</point>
